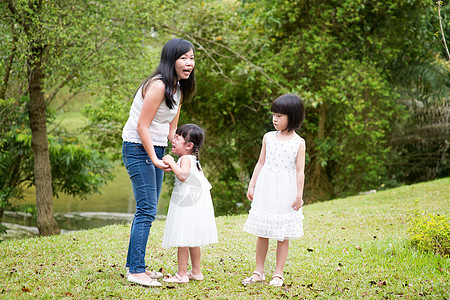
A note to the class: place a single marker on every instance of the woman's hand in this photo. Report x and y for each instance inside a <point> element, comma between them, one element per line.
<point>298,203</point>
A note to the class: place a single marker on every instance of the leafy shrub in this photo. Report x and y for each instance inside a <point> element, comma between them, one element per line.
<point>430,232</point>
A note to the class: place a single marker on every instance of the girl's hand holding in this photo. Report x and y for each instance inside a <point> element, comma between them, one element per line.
<point>250,192</point>
<point>298,203</point>
<point>168,159</point>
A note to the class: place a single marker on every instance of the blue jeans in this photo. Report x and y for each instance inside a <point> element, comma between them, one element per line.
<point>147,182</point>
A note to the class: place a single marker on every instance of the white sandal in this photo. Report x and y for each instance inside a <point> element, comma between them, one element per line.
<point>151,274</point>
<point>277,280</point>
<point>151,282</point>
<point>252,279</point>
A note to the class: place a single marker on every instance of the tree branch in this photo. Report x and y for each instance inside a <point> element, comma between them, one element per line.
<point>9,62</point>
<point>69,98</point>
<point>73,75</point>
<point>439,3</point>
<point>237,54</point>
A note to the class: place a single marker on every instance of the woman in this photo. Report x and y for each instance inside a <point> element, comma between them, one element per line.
<point>153,120</point>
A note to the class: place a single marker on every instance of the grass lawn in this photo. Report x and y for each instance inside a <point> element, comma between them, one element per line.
<point>353,248</point>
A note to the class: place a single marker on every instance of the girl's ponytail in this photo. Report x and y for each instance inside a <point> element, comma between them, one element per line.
<point>196,153</point>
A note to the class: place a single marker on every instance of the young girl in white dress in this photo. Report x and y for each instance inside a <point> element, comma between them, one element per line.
<point>190,220</point>
<point>276,188</point>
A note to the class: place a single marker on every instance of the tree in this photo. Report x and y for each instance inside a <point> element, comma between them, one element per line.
<point>76,169</point>
<point>342,57</point>
<point>77,45</point>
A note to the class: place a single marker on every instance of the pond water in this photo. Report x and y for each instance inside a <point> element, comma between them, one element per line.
<point>115,205</point>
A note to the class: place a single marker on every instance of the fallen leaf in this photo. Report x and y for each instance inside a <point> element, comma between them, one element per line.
<point>381,283</point>
<point>69,294</point>
<point>24,289</point>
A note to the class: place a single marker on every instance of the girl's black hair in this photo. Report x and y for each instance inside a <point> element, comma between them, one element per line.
<point>292,106</point>
<point>171,51</point>
<point>192,134</point>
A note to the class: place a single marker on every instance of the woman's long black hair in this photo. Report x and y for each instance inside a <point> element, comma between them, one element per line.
<point>171,51</point>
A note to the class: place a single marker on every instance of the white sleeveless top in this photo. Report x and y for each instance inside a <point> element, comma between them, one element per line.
<point>159,128</point>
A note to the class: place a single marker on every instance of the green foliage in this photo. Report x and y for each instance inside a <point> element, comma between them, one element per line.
<point>339,56</point>
<point>77,170</point>
<point>351,62</point>
<point>15,158</point>
<point>430,232</point>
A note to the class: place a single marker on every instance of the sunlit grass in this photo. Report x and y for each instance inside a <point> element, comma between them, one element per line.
<point>353,248</point>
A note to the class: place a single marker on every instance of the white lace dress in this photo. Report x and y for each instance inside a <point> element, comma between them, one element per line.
<point>190,220</point>
<point>271,214</point>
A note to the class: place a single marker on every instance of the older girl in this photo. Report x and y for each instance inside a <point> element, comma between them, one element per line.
<point>276,188</point>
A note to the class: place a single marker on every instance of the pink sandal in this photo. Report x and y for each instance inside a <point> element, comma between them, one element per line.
<point>176,279</point>
<point>199,277</point>
<point>253,280</point>
<point>277,280</point>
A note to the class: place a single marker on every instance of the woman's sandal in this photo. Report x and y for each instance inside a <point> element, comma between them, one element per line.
<point>199,277</point>
<point>154,274</point>
<point>151,274</point>
<point>277,280</point>
<point>253,280</point>
<point>176,279</point>
<point>152,282</point>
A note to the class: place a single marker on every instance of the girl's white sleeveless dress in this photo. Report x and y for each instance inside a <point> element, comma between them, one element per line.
<point>190,220</point>
<point>271,214</point>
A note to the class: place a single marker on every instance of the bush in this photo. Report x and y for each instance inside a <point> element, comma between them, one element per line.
<point>430,232</point>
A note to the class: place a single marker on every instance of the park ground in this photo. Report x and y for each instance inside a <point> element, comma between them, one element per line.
<point>353,248</point>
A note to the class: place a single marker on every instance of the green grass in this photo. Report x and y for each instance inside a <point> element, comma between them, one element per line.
<point>325,264</point>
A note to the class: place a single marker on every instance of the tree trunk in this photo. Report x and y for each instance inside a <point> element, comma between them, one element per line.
<point>8,64</point>
<point>46,222</point>
<point>320,183</point>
